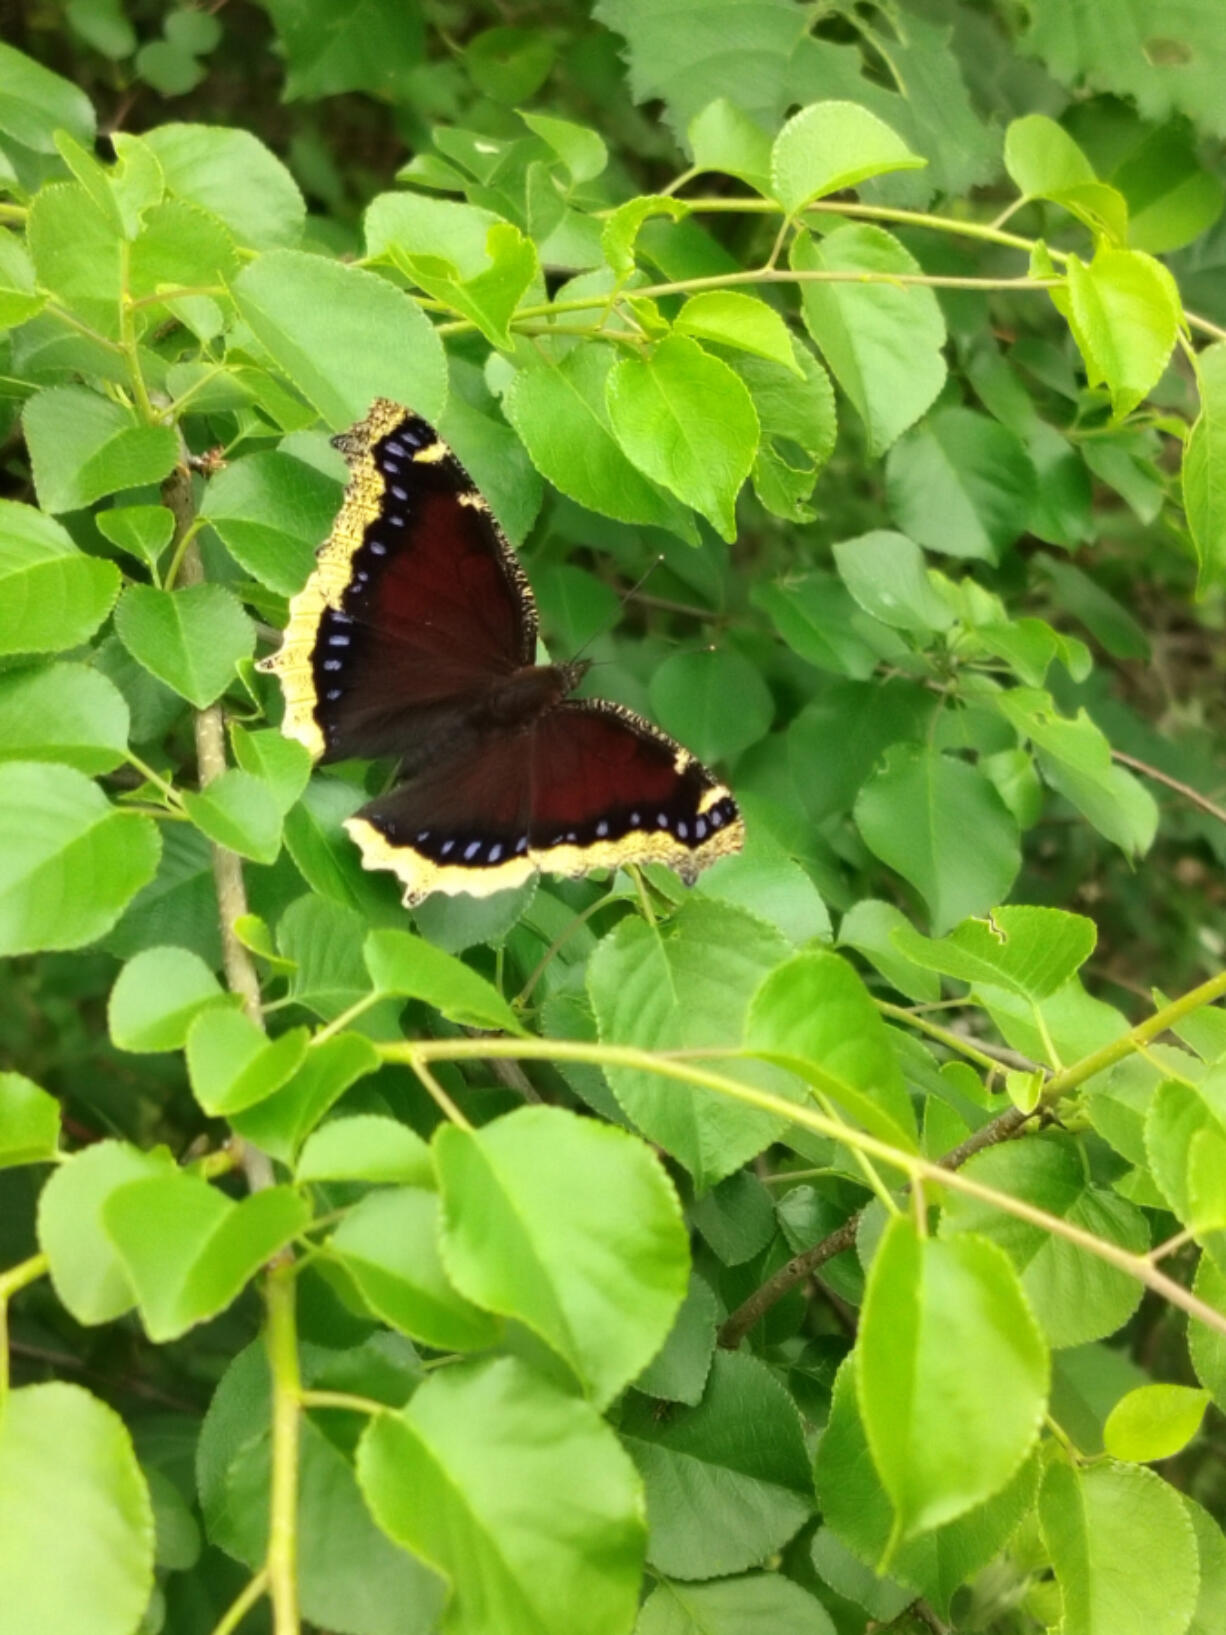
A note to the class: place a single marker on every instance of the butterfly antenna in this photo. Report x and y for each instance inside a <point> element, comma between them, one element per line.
<point>622,599</point>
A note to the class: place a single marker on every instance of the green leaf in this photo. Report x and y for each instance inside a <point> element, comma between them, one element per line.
<point>798,428</point>
<point>508,63</point>
<point>389,1245</point>
<point>239,811</point>
<point>102,24</point>
<point>831,146</point>
<point>678,1372</point>
<point>1207,1346</point>
<point>271,512</point>
<point>188,1250</point>
<point>230,173</point>
<point>283,765</point>
<point>366,1147</point>
<point>765,879</point>
<point>1031,951</point>
<point>715,702</point>
<point>882,341</point>
<point>886,574</point>
<point>818,618</point>
<point>814,1016</point>
<point>19,296</point>
<point>558,410</point>
<point>1043,159</point>
<point>620,233</point>
<point>83,446</point>
<point>62,712</point>
<point>1125,314</point>
<point>51,596</point>
<point>1073,1021</point>
<point>961,484</point>
<point>35,103</point>
<point>687,421</point>
<point>858,1510</point>
<point>143,531</point>
<point>232,1063</point>
<point>869,927</point>
<point>341,336</point>
<point>374,46</point>
<point>1204,459</point>
<point>169,69</point>
<point>400,963</point>
<point>1211,1547</point>
<point>191,639</point>
<point>75,249</point>
<point>517,1493</point>
<point>1154,1422</point>
<point>940,823</point>
<point>835,743</point>
<point>728,1482</point>
<point>69,860</point>
<point>280,1123</point>
<point>157,996</point>
<point>86,1273</point>
<point>1171,198</point>
<point>581,150</point>
<point>64,1454</point>
<point>741,321</point>
<point>1075,1296</point>
<point>1092,1517</point>
<point>733,1606</point>
<point>687,984</point>
<point>29,1122</point>
<point>723,138</point>
<point>946,1338</point>
<point>600,1286</point>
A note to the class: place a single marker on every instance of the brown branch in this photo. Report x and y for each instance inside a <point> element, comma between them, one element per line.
<point>1184,789</point>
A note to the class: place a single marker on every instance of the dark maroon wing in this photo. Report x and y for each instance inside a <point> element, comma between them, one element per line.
<point>589,786</point>
<point>416,603</point>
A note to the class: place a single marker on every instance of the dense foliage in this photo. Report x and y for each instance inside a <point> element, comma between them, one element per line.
<point>838,1245</point>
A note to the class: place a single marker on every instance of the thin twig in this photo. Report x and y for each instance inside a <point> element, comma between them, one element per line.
<point>1184,789</point>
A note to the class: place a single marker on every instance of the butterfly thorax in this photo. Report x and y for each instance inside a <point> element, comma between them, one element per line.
<point>517,700</point>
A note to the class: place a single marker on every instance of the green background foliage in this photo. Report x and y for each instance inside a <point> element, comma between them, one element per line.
<point>838,1245</point>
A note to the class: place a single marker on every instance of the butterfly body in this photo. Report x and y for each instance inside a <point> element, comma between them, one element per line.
<point>416,637</point>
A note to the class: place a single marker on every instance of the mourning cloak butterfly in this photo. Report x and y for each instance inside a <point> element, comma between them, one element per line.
<point>415,636</point>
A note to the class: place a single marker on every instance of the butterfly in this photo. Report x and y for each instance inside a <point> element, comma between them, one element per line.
<point>415,637</point>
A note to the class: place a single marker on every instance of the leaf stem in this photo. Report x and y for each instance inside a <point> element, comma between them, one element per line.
<point>934,1030</point>
<point>346,1400</point>
<point>242,1604</point>
<point>16,1278</point>
<point>281,1340</point>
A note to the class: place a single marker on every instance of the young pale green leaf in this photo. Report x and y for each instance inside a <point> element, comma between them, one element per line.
<point>389,1245</point>
<point>1075,1296</point>
<point>143,531</point>
<point>181,246</point>
<point>858,1510</point>
<point>86,1273</point>
<point>730,318</point>
<point>619,235</point>
<point>869,927</point>
<point>83,446</point>
<point>1042,158</point>
<point>1154,1422</point>
<point>366,1147</point>
<point>882,341</point>
<point>601,1286</point>
<point>733,1606</point>
<point>271,512</point>
<point>1125,314</point>
<point>281,1122</point>
<point>488,283</point>
<point>76,251</point>
<point>715,702</point>
<point>518,1494</point>
<point>962,484</point>
<point>402,964</point>
<point>191,639</point>
<point>232,1063</point>
<point>728,1482</point>
<point>341,335</point>
<point>281,764</point>
<point>939,822</point>
<point>1204,458</point>
<point>888,577</point>
<point>52,597</point>
<point>64,1454</point>
<point>688,984</point>
<point>686,420</point>
<point>157,996</point>
<point>558,410</point>
<point>798,428</point>
<point>1031,951</point>
<point>70,862</point>
<point>63,712</point>
<point>238,810</point>
<point>724,138</point>
<point>1211,1547</point>
<point>581,150</point>
<point>1092,1518</point>
<point>19,296</point>
<point>35,103</point>
<point>814,1016</point>
<point>946,1338</point>
<point>29,1122</point>
<point>831,146</point>
<point>188,1250</point>
<point>679,1370</point>
<point>231,173</point>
